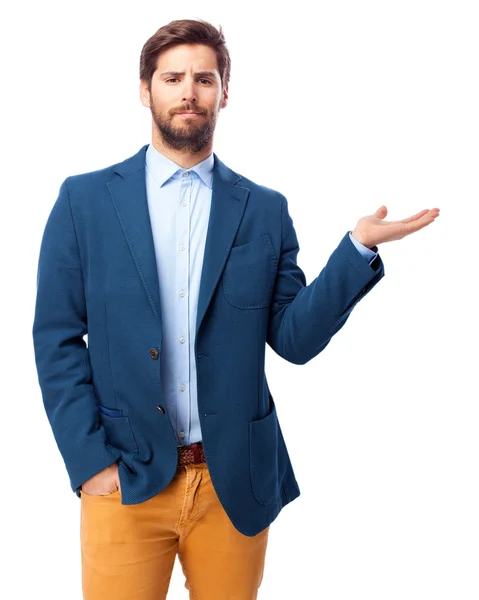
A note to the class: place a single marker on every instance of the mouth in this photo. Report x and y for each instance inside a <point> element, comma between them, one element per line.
<point>189,114</point>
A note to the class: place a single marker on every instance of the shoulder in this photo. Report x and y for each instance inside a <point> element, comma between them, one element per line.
<point>101,176</point>
<point>258,191</point>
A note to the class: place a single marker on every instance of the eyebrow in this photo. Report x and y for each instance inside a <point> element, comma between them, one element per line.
<point>197,74</point>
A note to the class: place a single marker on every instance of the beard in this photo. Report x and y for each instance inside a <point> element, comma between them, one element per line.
<point>191,135</point>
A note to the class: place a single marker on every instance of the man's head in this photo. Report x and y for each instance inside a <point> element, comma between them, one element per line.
<point>185,66</point>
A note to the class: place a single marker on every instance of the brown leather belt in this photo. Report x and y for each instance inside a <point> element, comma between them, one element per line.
<point>194,453</point>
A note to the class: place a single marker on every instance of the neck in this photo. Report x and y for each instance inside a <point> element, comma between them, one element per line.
<point>183,158</point>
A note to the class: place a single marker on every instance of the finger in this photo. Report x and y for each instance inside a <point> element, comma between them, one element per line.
<point>381,212</point>
<point>419,223</point>
<point>416,216</point>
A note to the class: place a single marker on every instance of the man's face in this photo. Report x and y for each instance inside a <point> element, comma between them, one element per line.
<point>186,79</point>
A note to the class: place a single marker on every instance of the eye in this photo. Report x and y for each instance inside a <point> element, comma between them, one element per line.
<point>176,79</point>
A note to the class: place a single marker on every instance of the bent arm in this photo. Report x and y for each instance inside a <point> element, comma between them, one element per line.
<point>61,356</point>
<point>303,318</point>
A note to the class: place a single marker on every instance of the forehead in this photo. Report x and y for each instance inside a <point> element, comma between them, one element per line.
<point>187,56</point>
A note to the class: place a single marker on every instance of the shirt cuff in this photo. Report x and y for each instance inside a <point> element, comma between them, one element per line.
<point>368,253</point>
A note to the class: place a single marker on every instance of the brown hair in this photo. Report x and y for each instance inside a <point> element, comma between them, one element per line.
<point>185,31</point>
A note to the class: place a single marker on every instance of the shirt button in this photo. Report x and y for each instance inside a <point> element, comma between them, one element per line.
<point>183,203</point>
<point>185,173</point>
<point>182,387</point>
<point>154,353</point>
<point>182,434</point>
<point>182,247</point>
<point>182,293</point>
<point>182,340</point>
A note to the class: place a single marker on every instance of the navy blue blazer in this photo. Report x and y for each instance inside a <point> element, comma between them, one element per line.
<point>97,275</point>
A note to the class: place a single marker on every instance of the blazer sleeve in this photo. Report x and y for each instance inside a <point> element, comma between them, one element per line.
<point>303,318</point>
<point>61,355</point>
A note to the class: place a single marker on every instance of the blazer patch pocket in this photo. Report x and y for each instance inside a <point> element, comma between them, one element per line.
<point>250,273</point>
<point>118,429</point>
<point>263,454</point>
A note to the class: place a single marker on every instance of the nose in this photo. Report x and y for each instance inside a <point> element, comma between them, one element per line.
<point>189,94</point>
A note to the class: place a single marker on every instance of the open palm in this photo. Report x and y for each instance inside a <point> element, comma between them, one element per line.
<point>373,230</point>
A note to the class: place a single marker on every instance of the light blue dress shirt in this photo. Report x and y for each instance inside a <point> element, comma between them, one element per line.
<point>179,202</point>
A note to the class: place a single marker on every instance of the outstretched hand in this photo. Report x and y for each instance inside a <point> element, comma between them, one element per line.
<point>373,230</point>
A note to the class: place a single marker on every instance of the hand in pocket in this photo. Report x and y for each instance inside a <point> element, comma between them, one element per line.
<point>103,483</point>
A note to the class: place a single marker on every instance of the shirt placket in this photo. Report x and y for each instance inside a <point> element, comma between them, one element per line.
<point>182,326</point>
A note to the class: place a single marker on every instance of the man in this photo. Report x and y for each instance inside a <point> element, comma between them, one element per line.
<point>180,271</point>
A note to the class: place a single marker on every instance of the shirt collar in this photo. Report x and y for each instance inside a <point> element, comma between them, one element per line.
<point>163,168</point>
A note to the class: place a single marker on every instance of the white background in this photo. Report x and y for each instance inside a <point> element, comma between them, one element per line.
<point>354,105</point>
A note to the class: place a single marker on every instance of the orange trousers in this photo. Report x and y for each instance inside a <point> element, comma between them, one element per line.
<point>128,551</point>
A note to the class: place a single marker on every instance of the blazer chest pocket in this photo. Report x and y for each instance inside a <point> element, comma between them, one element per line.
<point>250,273</point>
<point>118,429</point>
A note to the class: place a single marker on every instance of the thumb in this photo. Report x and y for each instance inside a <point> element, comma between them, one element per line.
<point>381,212</point>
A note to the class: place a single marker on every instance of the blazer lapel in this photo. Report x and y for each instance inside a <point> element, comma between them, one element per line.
<point>228,203</point>
<point>128,195</point>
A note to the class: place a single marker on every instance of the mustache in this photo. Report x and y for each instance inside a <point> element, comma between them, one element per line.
<point>189,108</point>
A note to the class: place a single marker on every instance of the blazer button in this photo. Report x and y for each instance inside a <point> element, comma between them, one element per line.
<point>154,353</point>
<point>161,409</point>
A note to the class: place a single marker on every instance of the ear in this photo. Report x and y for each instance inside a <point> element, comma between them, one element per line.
<point>224,99</point>
<point>144,93</point>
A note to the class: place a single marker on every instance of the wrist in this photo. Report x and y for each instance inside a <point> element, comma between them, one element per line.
<point>358,237</point>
